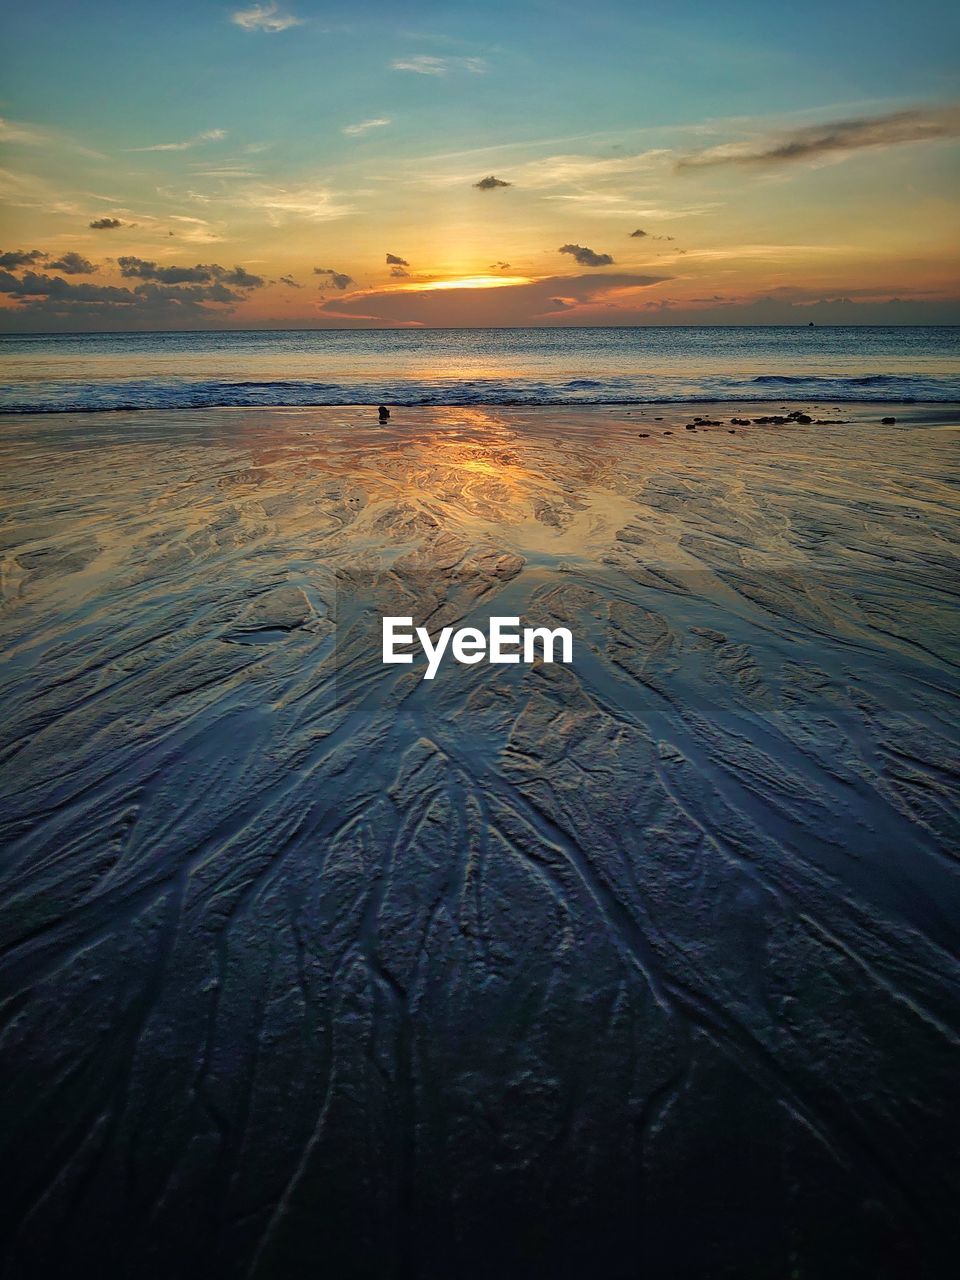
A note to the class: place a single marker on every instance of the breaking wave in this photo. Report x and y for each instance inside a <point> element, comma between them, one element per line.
<point>131,394</point>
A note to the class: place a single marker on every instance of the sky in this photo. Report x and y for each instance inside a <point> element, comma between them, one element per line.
<point>213,165</point>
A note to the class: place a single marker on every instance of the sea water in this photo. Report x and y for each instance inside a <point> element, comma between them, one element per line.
<point>89,372</point>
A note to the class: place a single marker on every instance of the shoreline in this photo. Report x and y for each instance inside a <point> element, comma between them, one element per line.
<point>751,404</point>
<point>904,410</point>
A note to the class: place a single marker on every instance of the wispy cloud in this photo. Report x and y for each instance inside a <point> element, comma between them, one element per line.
<point>602,205</point>
<point>365,126</point>
<point>225,171</point>
<point>559,169</point>
<point>775,253</point>
<point>194,230</point>
<point>264,17</point>
<point>34,135</point>
<point>424,64</point>
<point>28,191</point>
<point>209,135</point>
<point>578,172</point>
<point>27,135</point>
<point>154,227</point>
<point>279,203</point>
<point>923,124</point>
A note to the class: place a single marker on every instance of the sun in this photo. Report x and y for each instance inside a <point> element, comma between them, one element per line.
<point>468,282</point>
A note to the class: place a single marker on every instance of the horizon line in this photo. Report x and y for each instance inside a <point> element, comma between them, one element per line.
<point>455,328</point>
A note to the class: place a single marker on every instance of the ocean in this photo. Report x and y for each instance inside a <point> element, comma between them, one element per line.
<point>71,373</point>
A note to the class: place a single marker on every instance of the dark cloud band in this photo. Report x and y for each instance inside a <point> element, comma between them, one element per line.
<point>920,125</point>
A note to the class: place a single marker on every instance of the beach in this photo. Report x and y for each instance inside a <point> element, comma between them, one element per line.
<point>479,647</point>
<point>634,958</point>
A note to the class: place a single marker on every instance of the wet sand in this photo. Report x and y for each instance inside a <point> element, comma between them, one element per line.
<point>645,965</point>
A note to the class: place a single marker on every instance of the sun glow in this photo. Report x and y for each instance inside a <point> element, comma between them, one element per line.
<point>468,282</point>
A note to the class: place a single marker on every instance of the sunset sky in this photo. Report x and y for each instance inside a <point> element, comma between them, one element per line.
<point>282,165</point>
